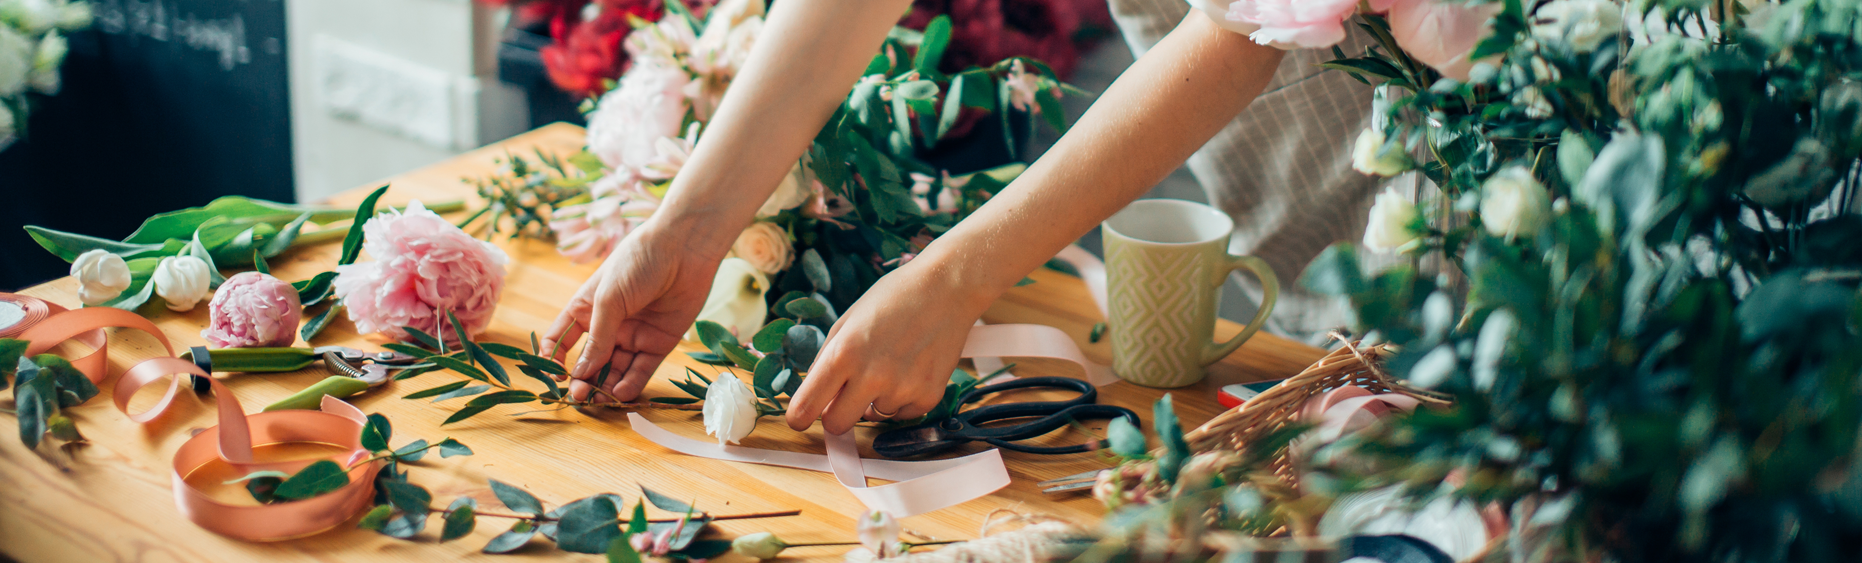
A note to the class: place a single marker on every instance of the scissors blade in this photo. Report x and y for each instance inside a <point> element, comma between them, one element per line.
<point>1068,488</point>
<point>1087,477</point>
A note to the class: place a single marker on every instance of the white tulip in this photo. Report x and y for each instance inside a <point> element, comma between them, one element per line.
<point>1585,24</point>
<point>736,299</point>
<point>45,63</point>
<point>15,61</point>
<point>730,409</point>
<point>1389,227</point>
<point>1514,204</point>
<point>101,276</point>
<point>181,281</point>
<point>1369,156</point>
<point>790,194</point>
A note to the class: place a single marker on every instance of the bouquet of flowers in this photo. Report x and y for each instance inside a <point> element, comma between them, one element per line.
<point>856,205</point>
<point>31,50</point>
<point>587,56</point>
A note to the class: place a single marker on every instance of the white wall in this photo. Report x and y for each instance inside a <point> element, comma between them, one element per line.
<point>381,87</point>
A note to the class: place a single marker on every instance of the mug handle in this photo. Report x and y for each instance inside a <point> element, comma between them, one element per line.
<point>1270,291</point>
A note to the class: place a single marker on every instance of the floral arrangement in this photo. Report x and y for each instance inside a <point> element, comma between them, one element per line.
<point>587,57</point>
<point>32,47</point>
<point>859,202</point>
<point>1646,310</point>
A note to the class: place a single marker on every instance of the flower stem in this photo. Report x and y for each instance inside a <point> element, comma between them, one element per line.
<point>327,234</point>
<point>541,518</point>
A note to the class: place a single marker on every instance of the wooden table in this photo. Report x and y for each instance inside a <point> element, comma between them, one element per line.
<point>111,500</point>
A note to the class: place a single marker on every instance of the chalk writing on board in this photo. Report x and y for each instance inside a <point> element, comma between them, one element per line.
<point>163,22</point>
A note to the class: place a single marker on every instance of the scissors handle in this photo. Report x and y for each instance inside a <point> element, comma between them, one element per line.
<point>259,360</point>
<point>1059,419</point>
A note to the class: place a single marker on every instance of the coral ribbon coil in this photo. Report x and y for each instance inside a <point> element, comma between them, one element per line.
<point>231,441</point>
<point>923,486</point>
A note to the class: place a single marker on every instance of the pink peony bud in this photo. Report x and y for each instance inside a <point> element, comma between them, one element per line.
<point>423,268</point>
<point>253,310</point>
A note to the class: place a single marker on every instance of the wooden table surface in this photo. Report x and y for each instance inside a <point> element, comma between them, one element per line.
<point>110,500</point>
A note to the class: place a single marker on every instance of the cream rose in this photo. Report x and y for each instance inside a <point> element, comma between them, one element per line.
<point>1369,156</point>
<point>1585,24</point>
<point>1389,227</point>
<point>766,246</point>
<point>1514,204</point>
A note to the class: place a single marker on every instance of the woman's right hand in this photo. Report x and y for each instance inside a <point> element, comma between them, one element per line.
<point>634,309</point>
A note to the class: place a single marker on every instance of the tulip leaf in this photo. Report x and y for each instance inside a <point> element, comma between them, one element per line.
<point>67,246</point>
<point>317,323</point>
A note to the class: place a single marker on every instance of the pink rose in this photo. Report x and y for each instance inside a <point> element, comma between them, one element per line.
<point>627,124</point>
<point>424,266</point>
<point>1303,23</point>
<point>253,310</point>
<point>1441,34</point>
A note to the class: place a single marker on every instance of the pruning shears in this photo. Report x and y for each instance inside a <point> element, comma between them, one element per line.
<point>357,371</point>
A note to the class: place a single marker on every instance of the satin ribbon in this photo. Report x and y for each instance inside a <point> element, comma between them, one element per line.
<point>231,442</point>
<point>923,486</point>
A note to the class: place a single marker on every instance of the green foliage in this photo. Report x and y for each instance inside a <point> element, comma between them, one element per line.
<point>43,386</point>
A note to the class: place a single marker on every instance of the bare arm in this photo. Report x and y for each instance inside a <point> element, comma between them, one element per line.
<point>891,353</point>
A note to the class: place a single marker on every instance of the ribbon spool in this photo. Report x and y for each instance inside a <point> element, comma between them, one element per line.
<point>231,442</point>
<point>21,312</point>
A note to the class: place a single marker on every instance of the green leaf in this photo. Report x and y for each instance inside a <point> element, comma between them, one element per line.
<point>710,358</point>
<point>460,366</point>
<point>32,410</point>
<point>1050,109</point>
<point>705,549</point>
<point>801,343</point>
<point>714,335</point>
<point>638,522</point>
<point>10,353</point>
<point>70,386</point>
<point>545,364</point>
<point>785,382</point>
<point>376,518</point>
<point>1366,67</point>
<point>314,290</point>
<point>620,551</point>
<point>1170,432</point>
<point>673,400</point>
<point>407,497</point>
<point>376,433</point>
<point>460,519</point>
<point>465,413</point>
<point>588,525</point>
<point>1126,440</point>
<point>767,340</point>
<point>1334,272</point>
<point>738,355</point>
<point>134,297</point>
<point>264,489</point>
<point>450,447</point>
<point>931,48</point>
<point>198,250</point>
<point>914,90</point>
<point>504,350</point>
<point>763,378</point>
<point>282,241</point>
<point>407,525</point>
<point>817,271</point>
<point>67,246</point>
<point>461,392</point>
<point>538,374</point>
<point>352,243</point>
<point>666,503</point>
<point>1099,331</point>
<point>256,475</point>
<point>502,398</point>
<point>412,452</point>
<point>315,479</point>
<point>485,360</point>
<point>1004,93</point>
<point>1574,156</point>
<point>953,106</point>
<point>519,535</point>
<point>878,65</point>
<point>807,308</point>
<point>411,350</point>
<point>259,265</point>
<point>516,499</point>
<point>426,340</point>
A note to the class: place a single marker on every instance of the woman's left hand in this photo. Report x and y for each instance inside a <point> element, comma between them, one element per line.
<point>890,354</point>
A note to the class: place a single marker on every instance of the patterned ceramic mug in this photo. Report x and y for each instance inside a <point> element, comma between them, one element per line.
<point>1166,260</point>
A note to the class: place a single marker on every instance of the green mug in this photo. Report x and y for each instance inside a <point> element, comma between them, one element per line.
<point>1166,260</point>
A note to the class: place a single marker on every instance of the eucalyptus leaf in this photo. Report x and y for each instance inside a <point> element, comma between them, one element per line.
<point>802,343</point>
<point>460,519</point>
<point>376,518</point>
<point>321,476</point>
<point>376,433</point>
<point>664,502</point>
<point>1126,440</point>
<point>412,452</point>
<point>516,499</point>
<point>588,525</point>
<point>450,448</point>
<point>509,541</point>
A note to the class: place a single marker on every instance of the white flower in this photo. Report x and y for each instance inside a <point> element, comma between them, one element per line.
<point>15,61</point>
<point>1389,227</point>
<point>730,409</point>
<point>731,29</point>
<point>760,545</point>
<point>181,281</point>
<point>879,533</point>
<point>1537,107</point>
<point>627,124</point>
<point>736,299</point>
<point>1585,24</point>
<point>32,16</point>
<point>663,43</point>
<point>766,246</point>
<point>670,154</point>
<point>790,194</point>
<point>101,276</point>
<point>45,63</point>
<point>1514,204</point>
<point>1371,155</point>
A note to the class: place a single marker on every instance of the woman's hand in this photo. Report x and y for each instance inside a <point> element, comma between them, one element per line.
<point>890,354</point>
<point>634,309</point>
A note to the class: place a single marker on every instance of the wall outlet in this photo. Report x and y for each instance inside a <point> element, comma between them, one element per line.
<point>387,93</point>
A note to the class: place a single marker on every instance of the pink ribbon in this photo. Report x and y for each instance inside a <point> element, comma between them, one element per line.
<point>923,486</point>
<point>231,442</point>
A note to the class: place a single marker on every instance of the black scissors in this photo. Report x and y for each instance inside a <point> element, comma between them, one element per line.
<point>966,426</point>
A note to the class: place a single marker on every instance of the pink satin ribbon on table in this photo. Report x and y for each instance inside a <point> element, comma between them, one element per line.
<point>922,486</point>
<point>231,442</point>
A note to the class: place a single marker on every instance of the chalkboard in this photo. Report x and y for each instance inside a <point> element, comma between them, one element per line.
<point>166,104</point>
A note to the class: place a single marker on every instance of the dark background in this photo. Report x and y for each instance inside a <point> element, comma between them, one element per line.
<point>166,104</point>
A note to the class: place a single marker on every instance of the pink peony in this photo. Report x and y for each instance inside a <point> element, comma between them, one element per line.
<point>1441,33</point>
<point>1304,23</point>
<point>253,310</point>
<point>424,266</point>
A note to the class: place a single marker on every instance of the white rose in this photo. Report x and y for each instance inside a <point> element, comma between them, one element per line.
<point>1368,155</point>
<point>790,194</point>
<point>730,409</point>
<point>181,281</point>
<point>73,16</point>
<point>736,299</point>
<point>101,276</point>
<point>1389,227</point>
<point>15,61</point>
<point>764,245</point>
<point>628,122</point>
<point>1514,204</point>
<point>1585,24</point>
<point>33,16</point>
<point>45,63</point>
